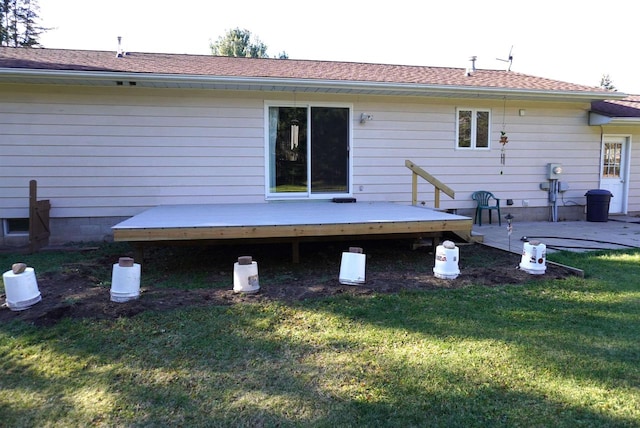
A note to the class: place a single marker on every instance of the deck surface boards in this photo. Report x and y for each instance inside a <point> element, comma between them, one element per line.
<point>284,220</point>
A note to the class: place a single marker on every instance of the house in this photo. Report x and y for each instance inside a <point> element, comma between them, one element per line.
<point>108,135</point>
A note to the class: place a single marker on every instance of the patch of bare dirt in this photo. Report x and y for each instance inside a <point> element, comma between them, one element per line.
<point>82,290</point>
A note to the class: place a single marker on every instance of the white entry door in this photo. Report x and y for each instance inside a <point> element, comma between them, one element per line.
<point>614,171</point>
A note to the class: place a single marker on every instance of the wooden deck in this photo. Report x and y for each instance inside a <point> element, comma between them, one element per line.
<point>288,221</point>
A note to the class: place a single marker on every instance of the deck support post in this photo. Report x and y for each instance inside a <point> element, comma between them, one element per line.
<point>295,251</point>
<point>138,252</point>
<point>435,242</point>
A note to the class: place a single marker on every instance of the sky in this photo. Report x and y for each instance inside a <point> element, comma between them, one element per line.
<point>575,41</point>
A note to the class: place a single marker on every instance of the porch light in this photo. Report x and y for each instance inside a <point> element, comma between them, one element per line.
<point>365,117</point>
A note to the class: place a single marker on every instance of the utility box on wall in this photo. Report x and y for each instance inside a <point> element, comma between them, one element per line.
<point>555,171</point>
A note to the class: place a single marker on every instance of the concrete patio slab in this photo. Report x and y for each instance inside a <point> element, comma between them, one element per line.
<point>620,232</point>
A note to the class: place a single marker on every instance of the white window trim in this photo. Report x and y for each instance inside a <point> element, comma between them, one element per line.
<point>474,118</point>
<point>269,196</point>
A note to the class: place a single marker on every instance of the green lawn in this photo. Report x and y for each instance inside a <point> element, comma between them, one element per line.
<point>553,353</point>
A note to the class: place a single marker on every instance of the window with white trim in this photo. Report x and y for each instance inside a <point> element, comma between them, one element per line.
<point>472,128</point>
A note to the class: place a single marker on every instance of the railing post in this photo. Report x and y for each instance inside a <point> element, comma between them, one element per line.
<point>437,184</point>
<point>414,188</point>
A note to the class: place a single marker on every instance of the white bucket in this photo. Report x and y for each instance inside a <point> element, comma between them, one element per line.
<point>245,275</point>
<point>352,267</point>
<point>125,282</point>
<point>446,264</point>
<point>534,256</point>
<point>21,289</point>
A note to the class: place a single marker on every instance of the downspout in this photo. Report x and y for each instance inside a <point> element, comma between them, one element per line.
<point>601,155</point>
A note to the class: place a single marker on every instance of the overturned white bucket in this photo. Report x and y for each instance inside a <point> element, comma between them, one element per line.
<point>125,280</point>
<point>446,264</point>
<point>21,288</point>
<point>245,275</point>
<point>352,267</point>
<point>534,255</point>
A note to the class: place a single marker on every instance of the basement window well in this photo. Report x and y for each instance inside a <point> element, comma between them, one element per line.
<point>16,226</point>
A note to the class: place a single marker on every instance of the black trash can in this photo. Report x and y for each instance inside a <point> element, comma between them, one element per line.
<point>598,204</point>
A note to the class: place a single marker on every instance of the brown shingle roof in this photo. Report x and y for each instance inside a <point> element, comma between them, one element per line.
<point>207,65</point>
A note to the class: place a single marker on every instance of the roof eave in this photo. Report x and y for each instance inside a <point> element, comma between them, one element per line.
<point>110,78</point>
<point>597,119</point>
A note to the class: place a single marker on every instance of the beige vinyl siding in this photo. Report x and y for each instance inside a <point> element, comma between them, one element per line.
<point>100,152</point>
<point>424,132</point>
<point>117,151</point>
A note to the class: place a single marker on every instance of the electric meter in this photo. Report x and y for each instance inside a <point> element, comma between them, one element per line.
<point>555,171</point>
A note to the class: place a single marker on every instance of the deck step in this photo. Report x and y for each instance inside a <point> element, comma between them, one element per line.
<point>473,237</point>
<point>477,237</point>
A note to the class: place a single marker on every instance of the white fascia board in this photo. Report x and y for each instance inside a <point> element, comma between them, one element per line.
<point>280,84</point>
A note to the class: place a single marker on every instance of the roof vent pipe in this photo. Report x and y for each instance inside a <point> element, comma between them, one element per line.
<point>473,65</point>
<point>119,52</point>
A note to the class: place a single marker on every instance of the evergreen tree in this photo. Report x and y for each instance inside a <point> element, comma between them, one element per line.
<point>19,23</point>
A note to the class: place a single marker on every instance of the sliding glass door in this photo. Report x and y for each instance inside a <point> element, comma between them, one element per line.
<point>308,151</point>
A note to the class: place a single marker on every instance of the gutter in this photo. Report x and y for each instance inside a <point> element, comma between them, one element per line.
<point>108,78</point>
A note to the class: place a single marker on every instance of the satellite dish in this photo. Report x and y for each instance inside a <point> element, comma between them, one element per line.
<point>510,60</point>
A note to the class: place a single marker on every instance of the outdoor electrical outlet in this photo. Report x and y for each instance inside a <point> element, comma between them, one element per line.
<point>525,202</point>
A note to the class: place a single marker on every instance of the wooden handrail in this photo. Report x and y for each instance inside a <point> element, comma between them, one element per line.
<point>437,184</point>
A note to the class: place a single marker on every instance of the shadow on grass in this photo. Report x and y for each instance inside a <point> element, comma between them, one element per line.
<point>198,380</point>
<point>536,355</point>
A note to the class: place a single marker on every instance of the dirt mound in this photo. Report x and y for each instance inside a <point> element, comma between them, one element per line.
<point>77,290</point>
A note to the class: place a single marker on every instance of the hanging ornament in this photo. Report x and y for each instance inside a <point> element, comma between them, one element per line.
<point>295,131</point>
<point>504,139</point>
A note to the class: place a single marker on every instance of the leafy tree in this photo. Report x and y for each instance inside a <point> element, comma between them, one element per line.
<point>238,43</point>
<point>607,83</point>
<point>19,23</point>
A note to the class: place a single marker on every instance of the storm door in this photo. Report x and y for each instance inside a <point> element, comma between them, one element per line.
<point>614,171</point>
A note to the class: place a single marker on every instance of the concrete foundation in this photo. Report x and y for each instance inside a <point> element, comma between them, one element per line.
<point>66,230</point>
<point>565,213</point>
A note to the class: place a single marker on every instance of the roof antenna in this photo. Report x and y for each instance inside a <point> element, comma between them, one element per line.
<point>510,60</point>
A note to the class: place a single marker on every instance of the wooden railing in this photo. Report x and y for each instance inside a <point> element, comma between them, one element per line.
<point>437,184</point>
